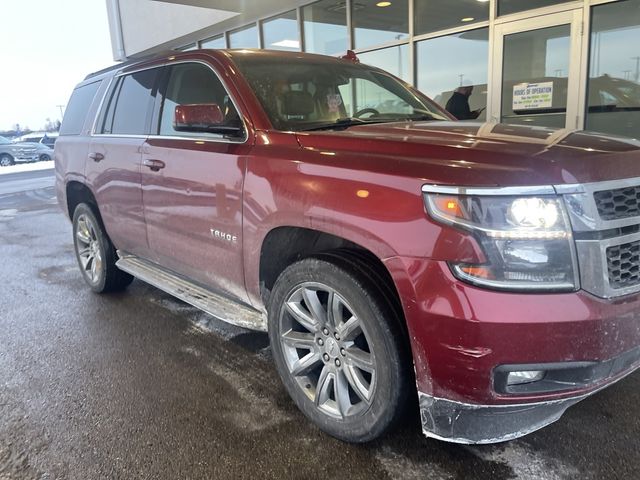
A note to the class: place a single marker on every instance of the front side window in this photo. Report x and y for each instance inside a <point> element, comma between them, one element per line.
<point>130,104</point>
<point>194,84</point>
<point>311,94</point>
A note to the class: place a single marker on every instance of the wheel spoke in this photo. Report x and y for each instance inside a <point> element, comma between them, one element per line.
<point>341,393</point>
<point>301,316</point>
<point>299,340</point>
<point>93,269</point>
<point>323,389</point>
<point>313,304</point>
<point>350,329</point>
<point>307,363</point>
<point>360,359</point>
<point>86,261</point>
<point>358,383</point>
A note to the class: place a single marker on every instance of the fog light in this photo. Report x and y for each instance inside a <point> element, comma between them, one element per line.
<point>528,376</point>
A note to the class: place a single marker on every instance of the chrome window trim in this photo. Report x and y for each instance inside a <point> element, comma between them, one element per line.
<point>497,191</point>
<point>204,137</point>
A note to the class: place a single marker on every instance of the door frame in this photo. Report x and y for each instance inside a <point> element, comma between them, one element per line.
<point>576,92</point>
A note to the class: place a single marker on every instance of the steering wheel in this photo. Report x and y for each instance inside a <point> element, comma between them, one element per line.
<point>364,111</point>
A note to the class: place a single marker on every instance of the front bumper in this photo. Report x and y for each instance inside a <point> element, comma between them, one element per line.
<point>461,335</point>
<point>466,423</point>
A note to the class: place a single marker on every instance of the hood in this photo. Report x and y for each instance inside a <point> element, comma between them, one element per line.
<point>489,154</point>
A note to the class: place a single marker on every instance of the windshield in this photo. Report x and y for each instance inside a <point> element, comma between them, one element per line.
<point>4,140</point>
<point>308,94</point>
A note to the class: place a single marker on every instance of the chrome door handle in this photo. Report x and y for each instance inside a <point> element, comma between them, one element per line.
<point>96,156</point>
<point>154,165</point>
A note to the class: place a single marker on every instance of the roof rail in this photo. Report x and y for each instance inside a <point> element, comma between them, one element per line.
<point>132,61</point>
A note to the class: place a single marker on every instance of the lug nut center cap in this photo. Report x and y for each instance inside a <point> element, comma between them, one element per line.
<point>331,347</point>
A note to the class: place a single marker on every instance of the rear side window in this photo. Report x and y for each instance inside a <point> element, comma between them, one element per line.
<point>129,108</point>
<point>76,113</point>
<point>194,83</point>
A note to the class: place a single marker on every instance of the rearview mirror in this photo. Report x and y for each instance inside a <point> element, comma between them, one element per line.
<point>202,117</point>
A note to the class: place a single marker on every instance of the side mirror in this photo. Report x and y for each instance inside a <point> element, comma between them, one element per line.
<point>202,117</point>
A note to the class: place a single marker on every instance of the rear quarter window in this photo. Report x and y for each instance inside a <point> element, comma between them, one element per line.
<point>77,109</point>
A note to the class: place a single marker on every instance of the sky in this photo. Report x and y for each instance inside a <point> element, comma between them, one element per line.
<point>47,48</point>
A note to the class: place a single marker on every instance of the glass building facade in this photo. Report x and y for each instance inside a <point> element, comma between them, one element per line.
<point>572,64</point>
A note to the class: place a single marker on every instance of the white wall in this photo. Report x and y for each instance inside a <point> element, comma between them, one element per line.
<point>148,24</point>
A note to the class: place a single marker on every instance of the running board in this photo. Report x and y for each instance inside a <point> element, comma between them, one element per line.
<point>202,298</point>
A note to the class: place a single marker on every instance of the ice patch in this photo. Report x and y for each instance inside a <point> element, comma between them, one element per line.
<point>526,463</point>
<point>398,466</point>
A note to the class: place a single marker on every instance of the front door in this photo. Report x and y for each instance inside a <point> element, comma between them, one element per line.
<point>537,70</point>
<point>192,186</point>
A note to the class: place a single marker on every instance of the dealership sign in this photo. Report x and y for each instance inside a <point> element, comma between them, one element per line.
<point>531,96</point>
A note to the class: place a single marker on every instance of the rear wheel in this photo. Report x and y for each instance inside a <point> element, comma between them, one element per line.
<point>337,348</point>
<point>6,160</point>
<point>95,253</point>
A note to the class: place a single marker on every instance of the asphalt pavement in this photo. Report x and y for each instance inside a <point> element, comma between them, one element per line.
<point>139,385</point>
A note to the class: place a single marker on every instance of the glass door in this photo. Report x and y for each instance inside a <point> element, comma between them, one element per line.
<point>536,74</point>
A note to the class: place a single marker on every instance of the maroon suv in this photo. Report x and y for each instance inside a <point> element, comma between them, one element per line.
<point>383,246</point>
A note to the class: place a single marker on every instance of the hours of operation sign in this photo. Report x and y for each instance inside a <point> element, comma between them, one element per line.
<point>531,96</point>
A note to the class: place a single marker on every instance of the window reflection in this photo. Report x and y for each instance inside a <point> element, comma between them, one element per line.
<point>505,7</point>
<point>614,77</point>
<point>434,15</point>
<point>281,33</point>
<point>215,42</point>
<point>244,38</point>
<point>325,27</point>
<point>394,60</point>
<point>377,22</point>
<point>455,62</point>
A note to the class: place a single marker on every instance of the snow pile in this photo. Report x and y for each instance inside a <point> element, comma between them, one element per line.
<point>27,167</point>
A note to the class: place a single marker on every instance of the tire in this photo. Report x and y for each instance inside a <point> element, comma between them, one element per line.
<point>45,157</point>
<point>6,160</point>
<point>95,253</point>
<point>350,378</point>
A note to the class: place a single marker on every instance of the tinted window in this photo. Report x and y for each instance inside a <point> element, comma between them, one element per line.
<point>434,15</point>
<point>77,109</point>
<point>129,108</point>
<point>194,83</point>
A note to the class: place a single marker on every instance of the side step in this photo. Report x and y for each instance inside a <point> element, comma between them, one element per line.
<point>206,300</point>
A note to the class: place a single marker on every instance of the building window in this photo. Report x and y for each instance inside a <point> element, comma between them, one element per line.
<point>394,60</point>
<point>214,42</point>
<point>506,7</point>
<point>377,22</point>
<point>434,15</point>
<point>325,27</point>
<point>281,33</point>
<point>446,63</point>
<point>191,46</point>
<point>246,37</point>
<point>614,74</point>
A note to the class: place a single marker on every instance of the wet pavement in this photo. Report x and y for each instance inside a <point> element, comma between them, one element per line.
<point>139,385</point>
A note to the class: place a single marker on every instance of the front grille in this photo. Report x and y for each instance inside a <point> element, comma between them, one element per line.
<point>623,264</point>
<point>618,203</point>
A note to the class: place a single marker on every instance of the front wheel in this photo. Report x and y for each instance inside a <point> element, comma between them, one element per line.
<point>95,253</point>
<point>45,157</point>
<point>6,160</point>
<point>337,348</point>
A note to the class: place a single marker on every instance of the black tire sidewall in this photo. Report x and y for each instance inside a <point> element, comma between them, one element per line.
<point>374,314</point>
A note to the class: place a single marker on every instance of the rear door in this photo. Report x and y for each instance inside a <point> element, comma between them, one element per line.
<point>192,185</point>
<point>115,154</point>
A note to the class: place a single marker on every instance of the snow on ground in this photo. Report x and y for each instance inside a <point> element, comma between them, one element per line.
<point>27,167</point>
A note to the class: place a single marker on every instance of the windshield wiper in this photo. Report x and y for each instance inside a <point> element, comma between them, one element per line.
<point>343,123</point>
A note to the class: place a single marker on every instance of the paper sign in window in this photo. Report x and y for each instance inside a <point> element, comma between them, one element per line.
<point>532,96</point>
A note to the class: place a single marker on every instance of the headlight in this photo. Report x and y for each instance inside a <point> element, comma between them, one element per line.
<point>526,239</point>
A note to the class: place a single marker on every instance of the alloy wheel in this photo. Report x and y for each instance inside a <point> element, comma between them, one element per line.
<point>327,350</point>
<point>88,248</point>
